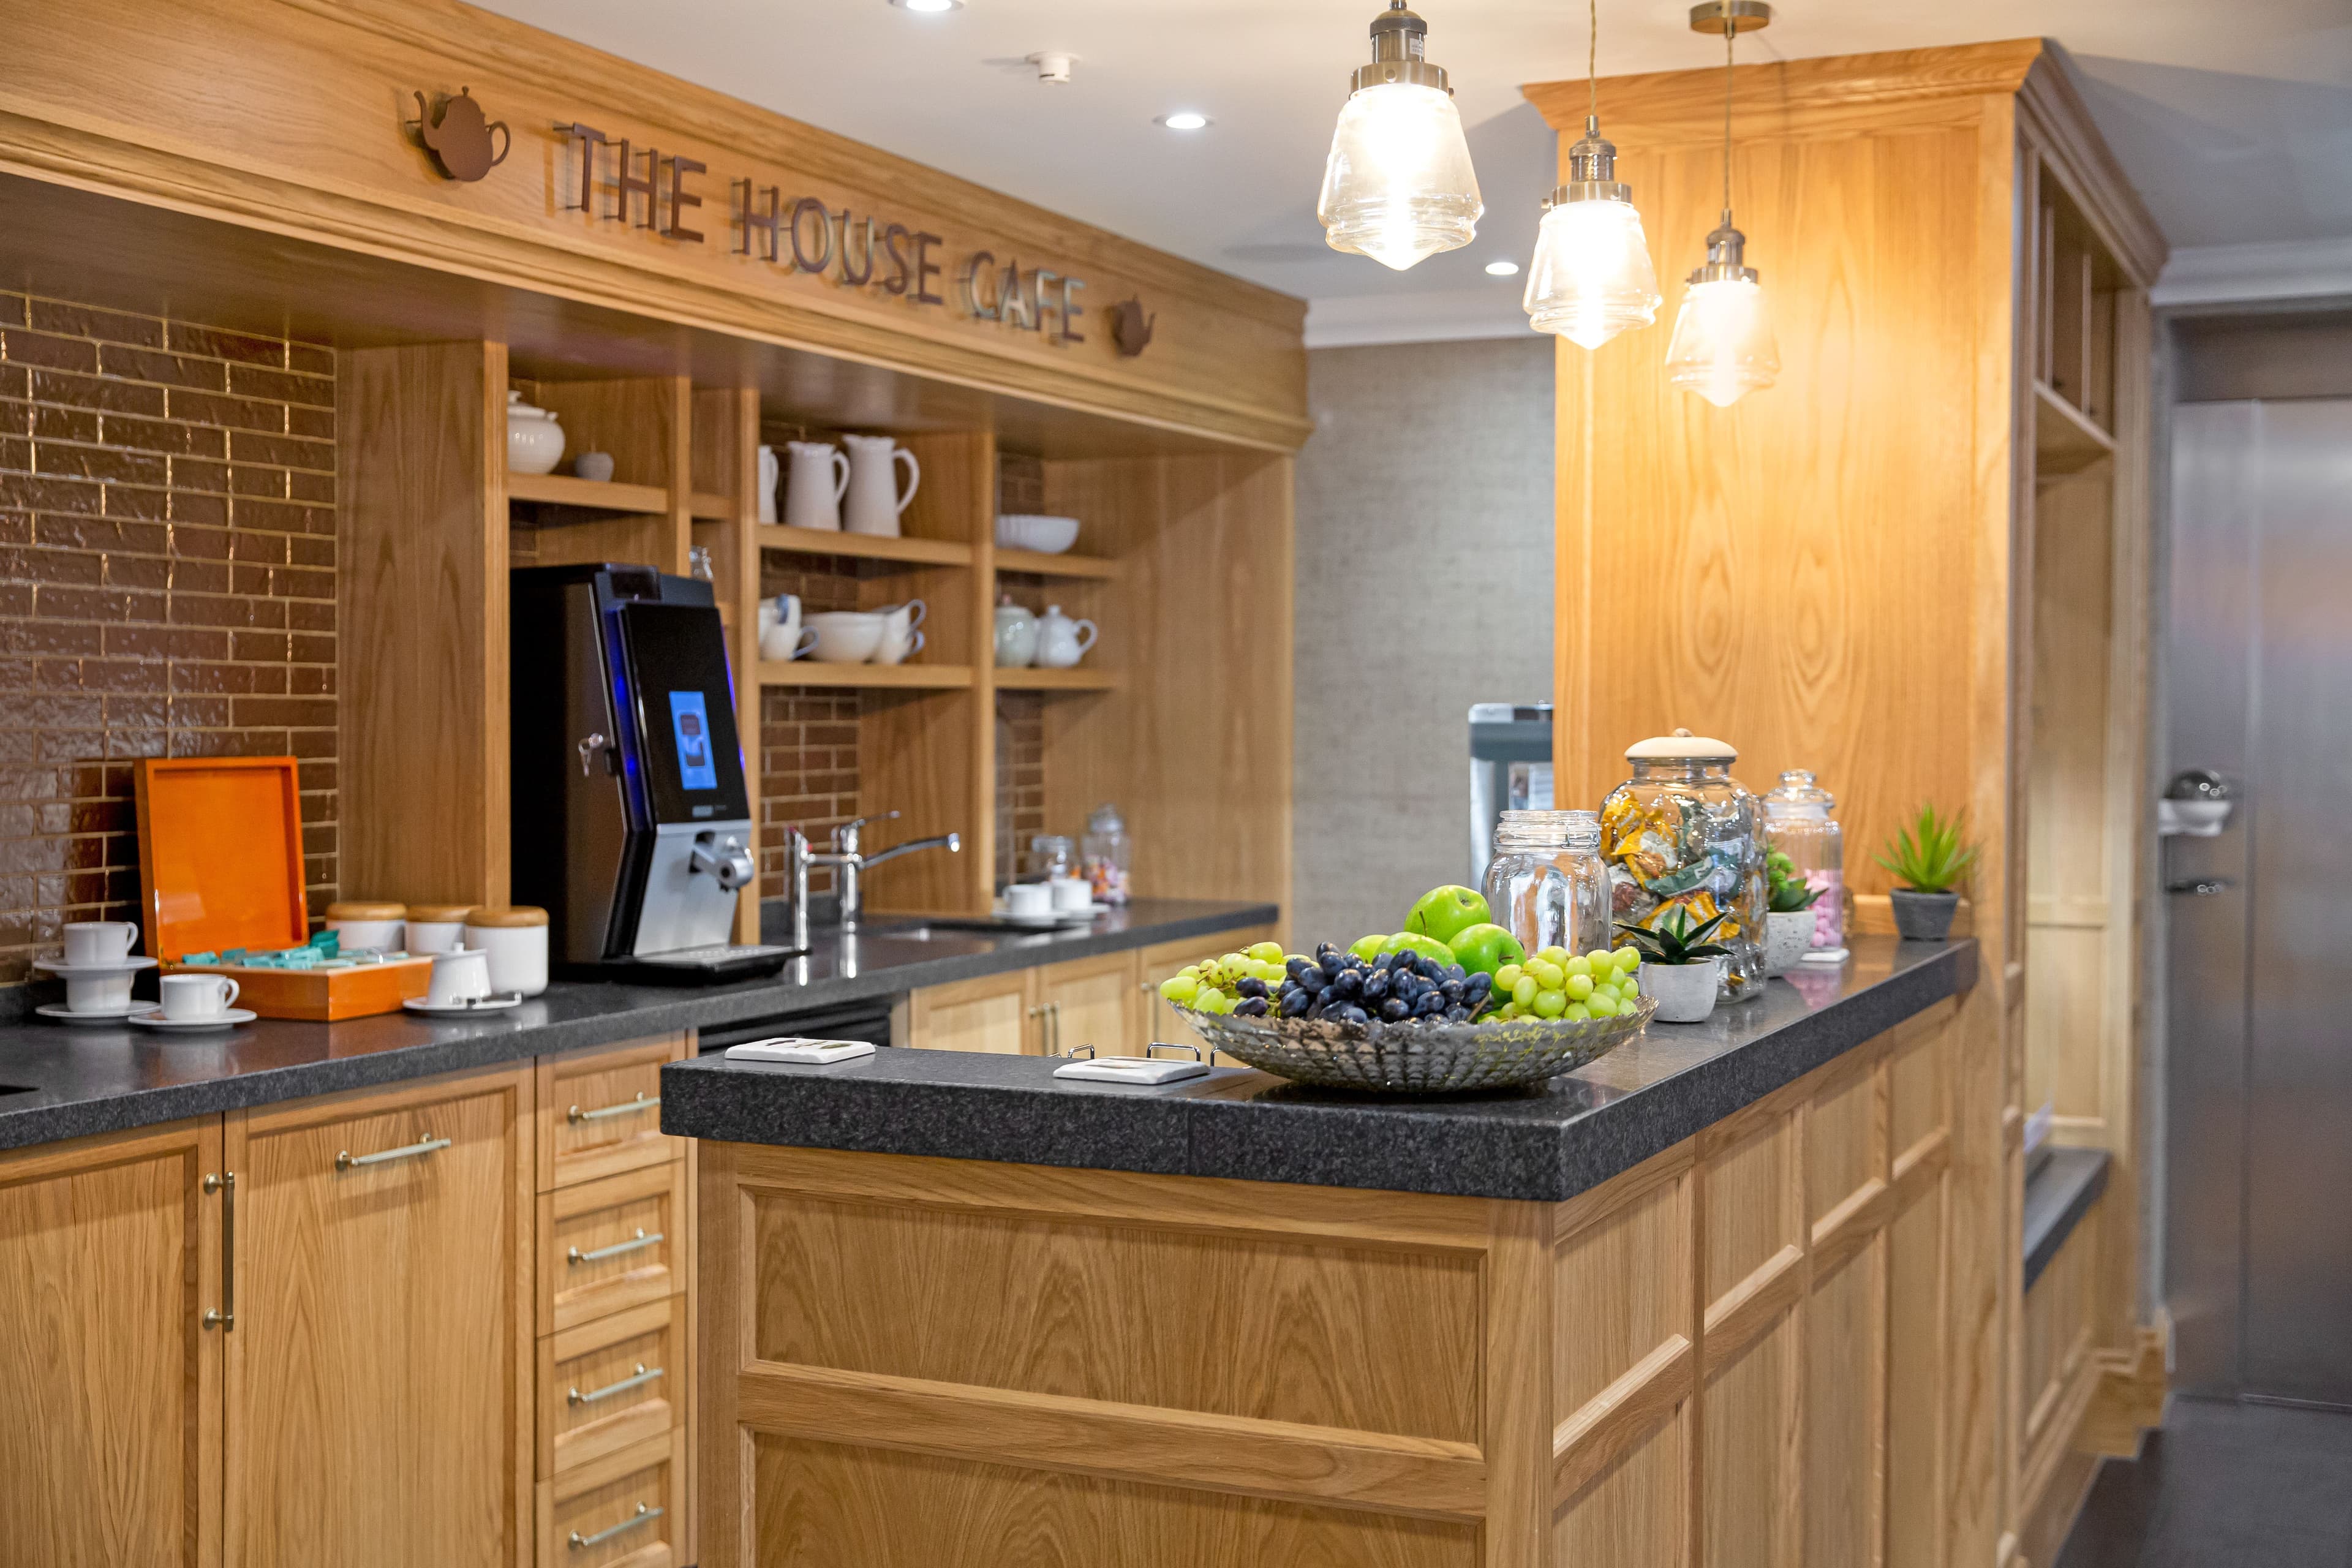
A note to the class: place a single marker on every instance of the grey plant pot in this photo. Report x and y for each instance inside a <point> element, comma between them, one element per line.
<point>1924,917</point>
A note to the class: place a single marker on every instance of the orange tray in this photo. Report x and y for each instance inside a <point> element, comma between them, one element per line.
<point>220,868</point>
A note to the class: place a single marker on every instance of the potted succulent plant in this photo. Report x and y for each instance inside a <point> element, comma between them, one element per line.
<point>1788,918</point>
<point>1680,967</point>
<point>1927,859</point>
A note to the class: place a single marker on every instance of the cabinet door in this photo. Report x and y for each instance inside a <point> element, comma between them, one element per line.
<point>1156,1020</point>
<point>110,1256</point>
<point>990,1013</point>
<point>1090,1002</point>
<point>378,1384</point>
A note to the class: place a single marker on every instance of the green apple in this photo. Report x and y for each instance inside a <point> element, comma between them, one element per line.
<point>1369,948</point>
<point>1425,946</point>
<point>1484,949</point>
<point>1444,913</point>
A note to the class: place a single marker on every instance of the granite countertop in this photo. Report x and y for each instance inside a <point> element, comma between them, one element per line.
<point>2057,1196</point>
<point>61,1080</point>
<point>1548,1142</point>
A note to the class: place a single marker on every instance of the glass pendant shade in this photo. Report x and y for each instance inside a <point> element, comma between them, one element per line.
<point>1399,186</point>
<point>1591,278</point>
<point>1723,348</point>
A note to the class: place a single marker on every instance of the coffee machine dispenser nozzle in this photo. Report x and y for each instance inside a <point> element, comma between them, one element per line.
<point>725,859</point>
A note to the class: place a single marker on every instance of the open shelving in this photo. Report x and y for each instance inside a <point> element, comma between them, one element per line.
<point>902,677</point>
<point>1038,565</point>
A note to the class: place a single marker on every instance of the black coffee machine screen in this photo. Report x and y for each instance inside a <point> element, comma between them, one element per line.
<point>675,665</point>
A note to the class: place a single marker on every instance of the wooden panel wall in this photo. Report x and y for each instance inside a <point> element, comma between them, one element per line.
<point>424,609</point>
<point>1196,748</point>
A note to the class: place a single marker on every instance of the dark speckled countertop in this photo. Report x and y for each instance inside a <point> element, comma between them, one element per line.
<point>60,1080</point>
<point>1546,1143</point>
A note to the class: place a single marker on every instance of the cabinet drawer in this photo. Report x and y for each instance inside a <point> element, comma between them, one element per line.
<point>608,1384</point>
<point>625,1510</point>
<point>609,1244</point>
<point>600,1112</point>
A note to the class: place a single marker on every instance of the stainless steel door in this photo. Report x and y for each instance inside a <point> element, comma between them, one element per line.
<point>2260,1038</point>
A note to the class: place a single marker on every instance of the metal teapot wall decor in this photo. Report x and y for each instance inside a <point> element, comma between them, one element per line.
<point>458,135</point>
<point>1130,329</point>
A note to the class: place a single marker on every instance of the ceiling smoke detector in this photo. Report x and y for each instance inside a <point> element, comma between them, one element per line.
<point>1053,65</point>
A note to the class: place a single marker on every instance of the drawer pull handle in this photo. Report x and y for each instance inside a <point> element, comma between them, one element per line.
<point>642,1516</point>
<point>347,1161</point>
<point>642,1376</point>
<point>223,1318</point>
<point>644,1102</point>
<point>637,1244</point>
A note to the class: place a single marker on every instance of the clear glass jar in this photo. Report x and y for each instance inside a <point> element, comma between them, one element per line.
<point>1050,856</point>
<point>1682,833</point>
<point>1546,884</point>
<point>1105,854</point>
<point>1797,822</point>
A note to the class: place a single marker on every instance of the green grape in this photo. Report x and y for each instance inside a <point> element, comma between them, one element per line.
<point>1627,958</point>
<point>1599,956</point>
<point>1550,1003</point>
<point>1547,974</point>
<point>1267,971</point>
<point>1507,976</point>
<point>1580,964</point>
<point>1524,992</point>
<point>1578,986</point>
<point>1576,1013</point>
<point>1552,954</point>
<point>1180,988</point>
<point>1207,998</point>
<point>1602,1007</point>
<point>1267,951</point>
<point>1191,972</point>
<point>1630,986</point>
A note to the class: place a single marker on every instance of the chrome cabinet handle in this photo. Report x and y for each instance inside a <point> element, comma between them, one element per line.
<point>642,1516</point>
<point>627,1107</point>
<point>346,1160</point>
<point>1053,1022</point>
<point>225,1319</point>
<point>637,1244</point>
<point>637,1379</point>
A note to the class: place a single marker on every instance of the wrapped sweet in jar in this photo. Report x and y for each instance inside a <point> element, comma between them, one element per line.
<point>1682,834</point>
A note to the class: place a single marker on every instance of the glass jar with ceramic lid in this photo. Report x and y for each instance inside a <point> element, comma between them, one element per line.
<point>1797,823</point>
<point>1105,853</point>
<point>1546,884</point>
<point>1683,834</point>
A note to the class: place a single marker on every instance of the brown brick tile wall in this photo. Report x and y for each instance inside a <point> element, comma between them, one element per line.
<point>167,588</point>
<point>1020,779</point>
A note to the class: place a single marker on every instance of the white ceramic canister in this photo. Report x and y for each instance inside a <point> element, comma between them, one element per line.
<point>436,928</point>
<point>514,937</point>
<point>534,438</point>
<point>368,926</point>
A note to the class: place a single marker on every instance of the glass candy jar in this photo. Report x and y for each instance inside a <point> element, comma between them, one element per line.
<point>1051,857</point>
<point>1682,833</point>
<point>1797,822</point>
<point>1546,884</point>
<point>1104,852</point>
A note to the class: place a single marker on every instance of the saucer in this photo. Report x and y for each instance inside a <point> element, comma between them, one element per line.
<point>227,1018</point>
<point>1049,920</point>
<point>64,971</point>
<point>480,1005</point>
<point>130,1013</point>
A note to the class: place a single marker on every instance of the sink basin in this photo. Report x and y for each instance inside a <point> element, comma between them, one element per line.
<point>947,926</point>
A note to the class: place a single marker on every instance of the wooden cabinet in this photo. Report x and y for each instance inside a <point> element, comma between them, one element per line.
<point>350,1331</point>
<point>379,1376</point>
<point>990,1013</point>
<point>110,1256</point>
<point>1089,1002</point>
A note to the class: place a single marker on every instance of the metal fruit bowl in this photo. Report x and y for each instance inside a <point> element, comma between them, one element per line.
<point>1421,1056</point>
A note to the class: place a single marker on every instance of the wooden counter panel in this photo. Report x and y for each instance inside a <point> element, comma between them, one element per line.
<point>1916,1365</point>
<point>1749,1216</point>
<point>1843,1147</point>
<point>821,1505</point>
<point>1752,1473</point>
<point>1635,1514</point>
<point>1372,1339</point>
<point>1845,1333</point>
<point>1614,1304</point>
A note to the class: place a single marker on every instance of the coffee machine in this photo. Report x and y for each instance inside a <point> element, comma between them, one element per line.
<point>632,825</point>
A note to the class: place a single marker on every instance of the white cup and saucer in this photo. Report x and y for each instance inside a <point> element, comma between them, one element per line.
<point>461,984</point>
<point>98,967</point>
<point>195,1001</point>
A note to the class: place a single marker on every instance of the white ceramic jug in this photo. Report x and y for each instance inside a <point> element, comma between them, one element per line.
<point>875,499</point>
<point>1061,641</point>
<point>780,638</point>
<point>771,479</point>
<point>812,497</point>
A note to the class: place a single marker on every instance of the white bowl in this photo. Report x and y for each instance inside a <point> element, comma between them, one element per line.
<point>847,636</point>
<point>1032,530</point>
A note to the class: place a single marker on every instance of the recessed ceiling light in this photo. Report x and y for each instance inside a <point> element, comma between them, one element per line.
<point>1502,269</point>
<point>929,5</point>
<point>1185,119</point>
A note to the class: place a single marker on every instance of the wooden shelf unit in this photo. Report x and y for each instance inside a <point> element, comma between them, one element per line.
<point>864,546</point>
<point>2065,441</point>
<point>1036,564</point>
<point>567,490</point>
<point>902,677</point>
<point>1078,679</point>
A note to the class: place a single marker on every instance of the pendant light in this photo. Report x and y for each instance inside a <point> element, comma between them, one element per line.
<point>1723,347</point>
<point>1591,278</point>
<point>1399,186</point>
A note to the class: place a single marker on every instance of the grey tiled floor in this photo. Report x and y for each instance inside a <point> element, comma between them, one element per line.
<point>2225,1486</point>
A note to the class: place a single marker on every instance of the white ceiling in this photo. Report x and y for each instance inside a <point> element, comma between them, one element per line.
<point>2233,117</point>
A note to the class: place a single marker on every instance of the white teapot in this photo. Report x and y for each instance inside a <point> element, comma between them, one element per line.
<point>1016,635</point>
<point>534,439</point>
<point>1061,641</point>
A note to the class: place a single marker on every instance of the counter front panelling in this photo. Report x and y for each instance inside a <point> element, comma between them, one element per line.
<point>1734,1353</point>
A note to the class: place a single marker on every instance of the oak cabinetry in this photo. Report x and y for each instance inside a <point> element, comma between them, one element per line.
<point>990,1013</point>
<point>1156,1020</point>
<point>624,1510</point>
<point>1089,1002</point>
<point>378,1379</point>
<point>109,1257</point>
<point>609,1243</point>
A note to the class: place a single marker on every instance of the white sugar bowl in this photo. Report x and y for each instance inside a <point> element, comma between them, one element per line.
<point>534,438</point>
